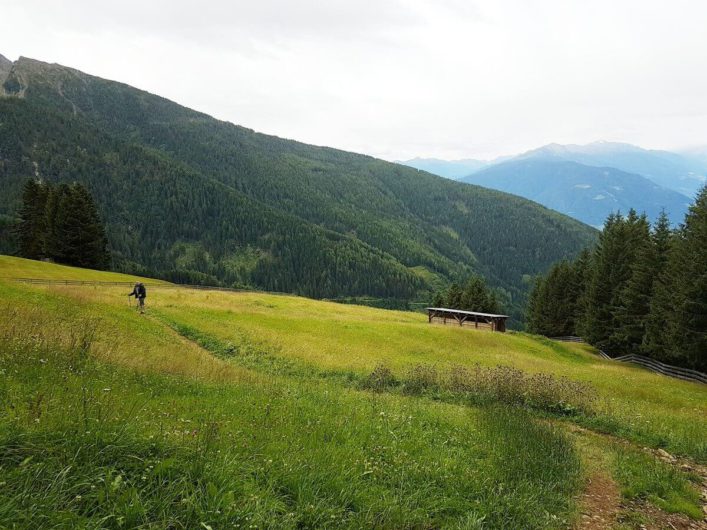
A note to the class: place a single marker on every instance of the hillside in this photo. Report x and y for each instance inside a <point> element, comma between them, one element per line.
<point>584,192</point>
<point>191,198</point>
<point>227,409</point>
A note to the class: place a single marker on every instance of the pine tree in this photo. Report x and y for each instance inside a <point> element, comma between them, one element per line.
<point>454,296</point>
<point>633,301</point>
<point>476,296</point>
<point>32,228</point>
<point>555,299</point>
<point>654,343</point>
<point>597,323</point>
<point>535,308</point>
<point>53,240</point>
<point>76,235</point>
<point>685,295</point>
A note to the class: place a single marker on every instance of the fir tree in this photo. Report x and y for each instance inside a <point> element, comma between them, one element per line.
<point>555,299</point>
<point>633,301</point>
<point>32,228</point>
<point>63,224</point>
<point>685,296</point>
<point>654,343</point>
<point>476,296</point>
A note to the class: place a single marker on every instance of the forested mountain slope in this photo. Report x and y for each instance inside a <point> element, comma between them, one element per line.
<point>191,197</point>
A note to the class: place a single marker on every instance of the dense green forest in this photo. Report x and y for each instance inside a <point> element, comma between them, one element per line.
<point>194,199</point>
<point>642,289</point>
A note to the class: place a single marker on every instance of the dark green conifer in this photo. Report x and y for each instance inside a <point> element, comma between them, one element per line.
<point>632,306</point>
<point>684,298</point>
<point>654,340</point>
<point>32,228</point>
<point>76,235</point>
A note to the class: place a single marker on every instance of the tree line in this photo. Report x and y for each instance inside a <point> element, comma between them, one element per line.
<point>471,295</point>
<point>642,289</point>
<point>61,224</point>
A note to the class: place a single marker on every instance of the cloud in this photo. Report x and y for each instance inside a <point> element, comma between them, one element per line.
<point>399,78</point>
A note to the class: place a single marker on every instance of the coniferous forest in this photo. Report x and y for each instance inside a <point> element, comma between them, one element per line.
<point>642,289</point>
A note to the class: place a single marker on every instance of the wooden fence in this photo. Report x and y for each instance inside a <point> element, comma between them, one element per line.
<point>646,362</point>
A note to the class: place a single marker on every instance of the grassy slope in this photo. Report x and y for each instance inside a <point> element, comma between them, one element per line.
<point>295,450</point>
<point>12,267</point>
<point>658,410</point>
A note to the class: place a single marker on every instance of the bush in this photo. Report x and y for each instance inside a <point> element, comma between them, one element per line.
<point>380,379</point>
<point>421,378</point>
<point>500,384</point>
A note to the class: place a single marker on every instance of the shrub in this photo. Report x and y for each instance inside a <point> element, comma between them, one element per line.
<point>421,378</point>
<point>380,379</point>
<point>501,384</point>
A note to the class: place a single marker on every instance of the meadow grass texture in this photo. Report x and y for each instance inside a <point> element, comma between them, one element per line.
<point>633,402</point>
<point>85,443</point>
<point>238,410</point>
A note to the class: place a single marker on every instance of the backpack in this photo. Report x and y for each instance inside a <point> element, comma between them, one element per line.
<point>141,291</point>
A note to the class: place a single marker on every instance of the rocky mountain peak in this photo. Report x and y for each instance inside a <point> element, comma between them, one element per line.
<point>5,67</point>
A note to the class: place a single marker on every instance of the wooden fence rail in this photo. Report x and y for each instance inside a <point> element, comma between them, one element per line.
<point>646,362</point>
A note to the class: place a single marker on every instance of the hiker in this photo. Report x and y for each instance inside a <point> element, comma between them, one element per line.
<point>140,293</point>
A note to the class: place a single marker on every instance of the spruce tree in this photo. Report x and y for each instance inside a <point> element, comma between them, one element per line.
<point>597,322</point>
<point>76,235</point>
<point>654,341</point>
<point>555,298</point>
<point>535,308</point>
<point>685,296</point>
<point>632,306</point>
<point>32,228</point>
<point>476,296</point>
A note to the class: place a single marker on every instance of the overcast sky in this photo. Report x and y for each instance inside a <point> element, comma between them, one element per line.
<point>394,78</point>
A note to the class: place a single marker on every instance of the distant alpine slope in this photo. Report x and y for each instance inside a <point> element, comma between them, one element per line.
<point>590,181</point>
<point>587,193</point>
<point>191,198</point>
<point>682,172</point>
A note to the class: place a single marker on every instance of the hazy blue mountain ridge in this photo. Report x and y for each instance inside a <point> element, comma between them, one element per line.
<point>587,193</point>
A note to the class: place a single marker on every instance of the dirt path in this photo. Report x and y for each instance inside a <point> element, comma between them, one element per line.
<point>599,504</point>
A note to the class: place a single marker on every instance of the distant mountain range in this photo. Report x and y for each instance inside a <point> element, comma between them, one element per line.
<point>590,181</point>
<point>682,173</point>
<point>584,192</point>
<point>195,199</point>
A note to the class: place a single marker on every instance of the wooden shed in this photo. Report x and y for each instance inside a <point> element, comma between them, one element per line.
<point>469,319</point>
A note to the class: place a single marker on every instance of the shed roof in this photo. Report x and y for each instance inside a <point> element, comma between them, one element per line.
<point>447,310</point>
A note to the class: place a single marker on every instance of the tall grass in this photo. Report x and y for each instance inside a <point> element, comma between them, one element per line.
<point>631,402</point>
<point>85,444</point>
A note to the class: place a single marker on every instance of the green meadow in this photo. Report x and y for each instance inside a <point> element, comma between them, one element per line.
<point>252,410</point>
